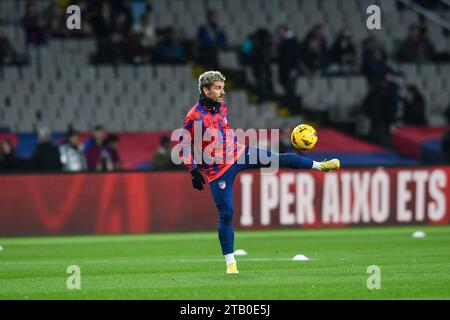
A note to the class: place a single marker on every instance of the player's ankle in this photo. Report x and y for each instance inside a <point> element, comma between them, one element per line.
<point>229,258</point>
<point>316,166</point>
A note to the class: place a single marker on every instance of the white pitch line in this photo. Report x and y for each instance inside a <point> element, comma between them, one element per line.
<point>133,261</point>
<point>244,259</point>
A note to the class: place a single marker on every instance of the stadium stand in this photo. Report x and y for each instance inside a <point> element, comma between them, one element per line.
<point>420,143</point>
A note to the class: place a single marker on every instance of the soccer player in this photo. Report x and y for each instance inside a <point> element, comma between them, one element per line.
<point>211,112</point>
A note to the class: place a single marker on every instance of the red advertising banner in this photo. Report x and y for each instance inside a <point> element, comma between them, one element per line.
<point>56,204</point>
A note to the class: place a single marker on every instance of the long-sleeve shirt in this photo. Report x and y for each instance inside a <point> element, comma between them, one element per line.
<point>220,137</point>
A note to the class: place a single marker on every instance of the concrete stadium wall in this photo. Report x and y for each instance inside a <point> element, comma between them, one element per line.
<point>138,202</point>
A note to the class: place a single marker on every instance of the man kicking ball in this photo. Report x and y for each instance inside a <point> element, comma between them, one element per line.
<point>221,168</point>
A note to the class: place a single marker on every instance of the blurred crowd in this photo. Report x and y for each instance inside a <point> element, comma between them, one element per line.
<point>312,56</point>
<point>120,37</point>
<point>76,152</point>
<point>390,101</point>
<point>97,154</point>
<point>124,31</point>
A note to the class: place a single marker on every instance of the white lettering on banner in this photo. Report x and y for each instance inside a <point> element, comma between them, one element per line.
<point>269,197</point>
<point>286,199</point>
<point>246,212</point>
<point>304,203</point>
<point>420,178</point>
<point>361,197</point>
<point>437,209</point>
<point>379,196</point>
<point>352,197</point>
<point>403,196</point>
<point>330,199</point>
<point>346,179</point>
<point>437,180</point>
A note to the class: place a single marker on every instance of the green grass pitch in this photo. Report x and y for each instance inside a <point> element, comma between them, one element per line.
<point>190,266</point>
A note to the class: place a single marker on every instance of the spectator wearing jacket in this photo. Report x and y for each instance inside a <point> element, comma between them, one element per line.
<point>211,38</point>
<point>113,162</point>
<point>288,66</point>
<point>94,150</point>
<point>71,153</point>
<point>46,157</point>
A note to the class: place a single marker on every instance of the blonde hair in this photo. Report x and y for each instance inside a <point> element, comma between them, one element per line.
<point>207,78</point>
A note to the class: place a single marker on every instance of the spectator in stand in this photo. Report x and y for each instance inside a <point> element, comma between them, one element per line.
<point>34,25</point>
<point>417,47</point>
<point>211,38</point>
<point>170,50</point>
<point>315,52</point>
<point>94,150</point>
<point>374,60</point>
<point>71,153</point>
<point>113,162</point>
<point>380,105</point>
<point>121,25</point>
<point>376,67</point>
<point>145,30</point>
<point>414,107</point>
<point>8,56</point>
<point>138,8</point>
<point>9,162</point>
<point>162,157</point>
<point>132,52</point>
<point>54,20</point>
<point>288,66</point>
<point>261,55</point>
<point>245,50</point>
<point>371,44</point>
<point>343,51</point>
<point>46,157</point>
<point>114,45</point>
<point>447,114</point>
<point>445,145</point>
<point>102,20</point>
<point>139,47</point>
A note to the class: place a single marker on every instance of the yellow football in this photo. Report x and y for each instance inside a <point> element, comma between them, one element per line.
<point>304,137</point>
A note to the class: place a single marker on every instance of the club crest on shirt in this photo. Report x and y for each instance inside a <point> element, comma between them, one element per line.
<point>225,120</point>
<point>222,184</point>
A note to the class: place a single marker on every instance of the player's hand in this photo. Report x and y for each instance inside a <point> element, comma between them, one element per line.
<point>197,179</point>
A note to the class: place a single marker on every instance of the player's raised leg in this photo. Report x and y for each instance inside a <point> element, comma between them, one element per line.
<point>253,158</point>
<point>295,161</point>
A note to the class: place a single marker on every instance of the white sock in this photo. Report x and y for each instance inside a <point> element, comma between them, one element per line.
<point>316,166</point>
<point>229,258</point>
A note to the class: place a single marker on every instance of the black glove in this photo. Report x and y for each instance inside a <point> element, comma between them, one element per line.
<point>197,179</point>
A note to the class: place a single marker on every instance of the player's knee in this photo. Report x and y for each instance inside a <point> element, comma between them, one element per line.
<point>226,217</point>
